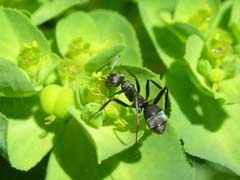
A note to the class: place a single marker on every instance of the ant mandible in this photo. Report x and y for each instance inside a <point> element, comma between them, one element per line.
<point>154,116</point>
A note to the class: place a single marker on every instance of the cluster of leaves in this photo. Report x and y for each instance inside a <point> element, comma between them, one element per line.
<point>207,40</point>
<point>48,94</point>
<point>198,43</point>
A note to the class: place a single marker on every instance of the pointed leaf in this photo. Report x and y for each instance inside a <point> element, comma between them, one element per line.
<point>158,157</point>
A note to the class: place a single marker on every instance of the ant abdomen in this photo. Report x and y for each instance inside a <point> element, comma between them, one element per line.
<point>155,118</point>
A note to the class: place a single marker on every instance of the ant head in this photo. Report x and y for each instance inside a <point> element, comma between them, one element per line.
<point>114,80</point>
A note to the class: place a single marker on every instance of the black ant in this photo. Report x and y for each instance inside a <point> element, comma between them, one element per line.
<point>154,116</point>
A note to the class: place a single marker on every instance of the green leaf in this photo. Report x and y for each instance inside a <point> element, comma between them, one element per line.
<point>78,24</point>
<point>3,135</point>
<point>185,8</point>
<point>234,22</point>
<point>49,67</point>
<point>107,54</point>
<point>74,154</point>
<point>51,9</point>
<point>205,170</point>
<point>115,23</point>
<point>158,157</point>
<point>150,12</point>
<point>14,81</point>
<point>27,139</point>
<point>208,129</point>
<point>110,39</point>
<point>17,31</point>
<point>230,88</point>
<point>26,6</point>
<point>117,140</point>
<point>194,48</point>
<point>221,18</point>
<point>21,39</point>
<point>168,38</point>
<point>54,170</point>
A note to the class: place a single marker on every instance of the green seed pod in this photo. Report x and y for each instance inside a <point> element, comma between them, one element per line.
<point>216,75</point>
<point>56,99</point>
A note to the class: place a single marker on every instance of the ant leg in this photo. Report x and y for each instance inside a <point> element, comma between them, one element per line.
<point>137,118</point>
<point>122,103</point>
<point>160,94</point>
<point>136,79</point>
<point>167,107</point>
<point>106,103</point>
<point>147,90</point>
<point>155,83</point>
<point>148,87</point>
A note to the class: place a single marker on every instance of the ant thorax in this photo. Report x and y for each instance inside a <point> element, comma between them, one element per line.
<point>129,90</point>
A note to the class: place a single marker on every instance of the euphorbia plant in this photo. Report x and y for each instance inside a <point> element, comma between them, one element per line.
<point>198,42</point>
<point>55,117</point>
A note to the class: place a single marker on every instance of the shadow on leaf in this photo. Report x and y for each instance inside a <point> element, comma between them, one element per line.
<point>130,155</point>
<point>199,108</point>
<point>169,43</point>
<point>75,153</point>
<point>18,108</point>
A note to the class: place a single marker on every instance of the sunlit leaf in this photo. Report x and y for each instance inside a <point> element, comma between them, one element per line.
<point>17,31</point>
<point>234,22</point>
<point>50,9</point>
<point>23,43</point>
<point>104,40</point>
<point>158,157</point>
<point>26,138</point>
<point>115,23</point>
<point>76,25</point>
<point>14,81</point>
<point>54,170</point>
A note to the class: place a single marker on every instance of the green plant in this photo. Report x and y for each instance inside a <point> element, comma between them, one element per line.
<point>50,86</point>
